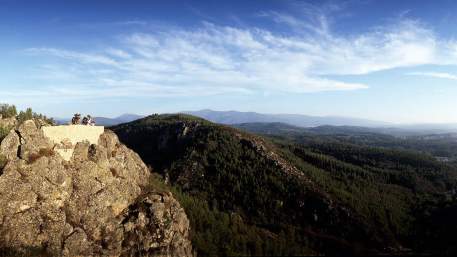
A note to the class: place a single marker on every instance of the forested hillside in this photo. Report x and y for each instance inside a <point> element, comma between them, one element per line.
<point>442,145</point>
<point>248,195</point>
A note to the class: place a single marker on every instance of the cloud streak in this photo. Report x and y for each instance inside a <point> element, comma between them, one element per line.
<point>213,59</point>
<point>440,75</point>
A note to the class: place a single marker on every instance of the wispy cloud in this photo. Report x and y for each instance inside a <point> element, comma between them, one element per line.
<point>73,55</point>
<point>441,75</point>
<point>312,19</point>
<point>119,53</point>
<point>213,59</point>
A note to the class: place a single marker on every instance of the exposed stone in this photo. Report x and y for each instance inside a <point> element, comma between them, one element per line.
<point>9,146</point>
<point>31,140</point>
<point>77,244</point>
<point>160,224</point>
<point>95,204</point>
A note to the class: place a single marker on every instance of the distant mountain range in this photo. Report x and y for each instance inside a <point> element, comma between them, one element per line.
<point>321,123</point>
<point>124,118</point>
<point>324,122</point>
<point>235,117</point>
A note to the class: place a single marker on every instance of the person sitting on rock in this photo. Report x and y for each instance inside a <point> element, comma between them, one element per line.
<point>76,119</point>
<point>85,121</point>
<point>91,121</point>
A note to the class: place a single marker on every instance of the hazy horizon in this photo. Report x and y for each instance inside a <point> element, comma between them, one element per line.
<point>384,61</point>
<point>388,124</point>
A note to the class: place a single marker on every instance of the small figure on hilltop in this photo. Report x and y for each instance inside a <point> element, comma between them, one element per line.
<point>85,120</point>
<point>76,119</point>
<point>88,121</point>
<point>91,121</point>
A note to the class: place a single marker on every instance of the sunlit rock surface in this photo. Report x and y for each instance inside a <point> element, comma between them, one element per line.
<point>94,204</point>
<point>67,136</point>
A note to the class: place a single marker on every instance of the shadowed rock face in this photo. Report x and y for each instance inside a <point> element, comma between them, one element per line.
<point>93,205</point>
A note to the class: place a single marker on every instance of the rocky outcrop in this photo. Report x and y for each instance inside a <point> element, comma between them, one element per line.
<point>96,204</point>
<point>10,145</point>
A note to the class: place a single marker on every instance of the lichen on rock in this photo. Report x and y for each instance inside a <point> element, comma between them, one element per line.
<point>95,204</point>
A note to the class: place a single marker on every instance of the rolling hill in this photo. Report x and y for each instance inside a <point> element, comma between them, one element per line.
<point>442,146</point>
<point>306,121</point>
<point>249,195</point>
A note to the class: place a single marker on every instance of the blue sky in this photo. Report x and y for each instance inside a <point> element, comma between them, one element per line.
<point>383,60</point>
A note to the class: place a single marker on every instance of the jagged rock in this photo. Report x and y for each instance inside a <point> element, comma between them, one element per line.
<point>160,224</point>
<point>9,146</point>
<point>31,139</point>
<point>93,205</point>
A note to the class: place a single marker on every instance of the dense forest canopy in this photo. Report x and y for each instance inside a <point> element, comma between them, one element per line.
<point>442,146</point>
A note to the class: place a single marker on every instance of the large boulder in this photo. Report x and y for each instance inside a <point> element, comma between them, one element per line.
<point>32,140</point>
<point>9,146</point>
<point>96,204</point>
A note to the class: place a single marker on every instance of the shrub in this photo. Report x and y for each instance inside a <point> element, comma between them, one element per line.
<point>23,116</point>
<point>156,183</point>
<point>8,111</point>
<point>3,132</point>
